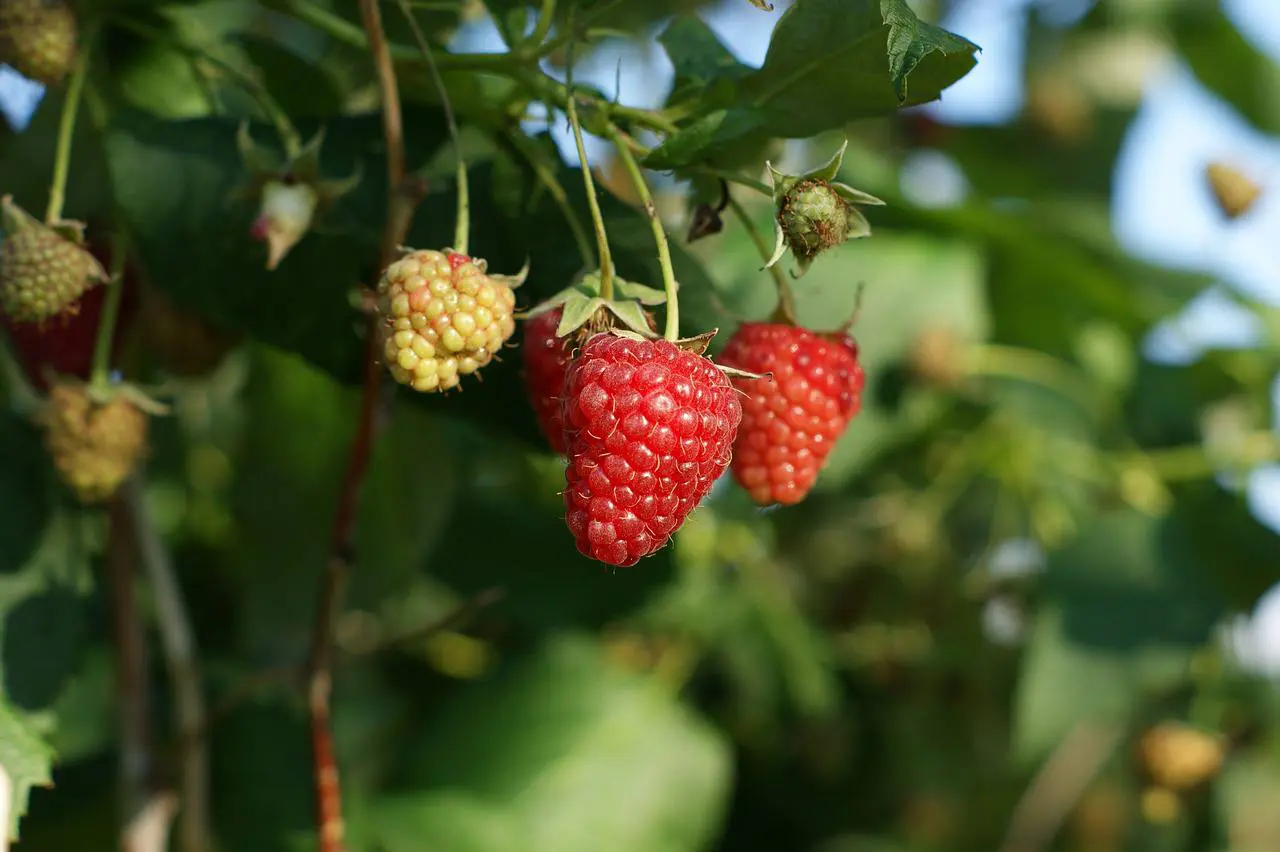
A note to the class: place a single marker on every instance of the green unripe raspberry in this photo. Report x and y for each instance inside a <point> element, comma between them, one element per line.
<point>814,218</point>
<point>38,38</point>
<point>42,273</point>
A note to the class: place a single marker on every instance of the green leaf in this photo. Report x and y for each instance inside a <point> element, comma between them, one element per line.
<point>1227,64</point>
<point>911,41</point>
<point>1128,604</point>
<point>552,746</point>
<point>708,136</point>
<point>27,761</point>
<point>830,62</point>
<point>835,61</point>
<point>698,56</point>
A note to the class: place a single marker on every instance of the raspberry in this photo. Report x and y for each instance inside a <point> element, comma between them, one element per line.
<point>38,38</point>
<point>1180,757</point>
<point>445,318</point>
<point>790,421</point>
<point>814,218</point>
<point>42,273</point>
<point>649,428</point>
<point>94,444</point>
<point>546,360</point>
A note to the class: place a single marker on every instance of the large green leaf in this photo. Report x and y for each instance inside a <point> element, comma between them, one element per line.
<point>829,62</point>
<point>1227,64</point>
<point>567,754</point>
<point>1128,602</point>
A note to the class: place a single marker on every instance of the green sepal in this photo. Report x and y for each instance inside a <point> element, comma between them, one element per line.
<point>783,184</point>
<point>582,301</point>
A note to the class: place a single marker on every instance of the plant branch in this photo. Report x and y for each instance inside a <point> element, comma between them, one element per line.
<point>672,330</point>
<point>67,130</point>
<point>177,642</point>
<point>132,688</point>
<point>403,196</point>
<point>1058,786</point>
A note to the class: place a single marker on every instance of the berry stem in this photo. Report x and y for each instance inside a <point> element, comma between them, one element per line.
<point>67,130</point>
<point>462,226</point>
<point>786,311</point>
<point>100,377</point>
<point>672,329</point>
<point>593,202</point>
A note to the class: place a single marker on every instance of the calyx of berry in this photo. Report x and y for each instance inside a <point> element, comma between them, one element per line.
<point>291,193</point>
<point>698,345</point>
<point>585,308</point>
<point>815,213</point>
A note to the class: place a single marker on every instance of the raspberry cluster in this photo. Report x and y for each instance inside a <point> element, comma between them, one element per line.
<point>444,318</point>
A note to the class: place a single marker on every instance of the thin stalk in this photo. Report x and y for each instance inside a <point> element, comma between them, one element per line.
<point>786,311</point>
<point>100,376</point>
<point>66,131</point>
<point>462,227</point>
<point>593,202</point>
<point>546,14</point>
<point>672,329</point>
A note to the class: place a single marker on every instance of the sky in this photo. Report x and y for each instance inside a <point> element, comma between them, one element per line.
<point>1179,127</point>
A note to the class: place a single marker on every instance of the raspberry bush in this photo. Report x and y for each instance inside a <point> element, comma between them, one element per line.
<point>417,437</point>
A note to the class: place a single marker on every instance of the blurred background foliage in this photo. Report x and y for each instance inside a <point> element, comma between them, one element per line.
<point>1002,622</point>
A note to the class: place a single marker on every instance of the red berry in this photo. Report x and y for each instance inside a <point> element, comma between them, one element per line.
<point>649,428</point>
<point>790,421</point>
<point>546,359</point>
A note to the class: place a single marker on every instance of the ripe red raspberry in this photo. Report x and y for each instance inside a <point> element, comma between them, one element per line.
<point>546,360</point>
<point>790,421</point>
<point>649,428</point>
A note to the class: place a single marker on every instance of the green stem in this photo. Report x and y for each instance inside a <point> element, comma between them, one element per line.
<point>1180,464</point>
<point>672,329</point>
<point>546,14</point>
<point>100,376</point>
<point>597,219</point>
<point>462,226</point>
<point>67,130</point>
<point>786,311</point>
<point>517,65</point>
